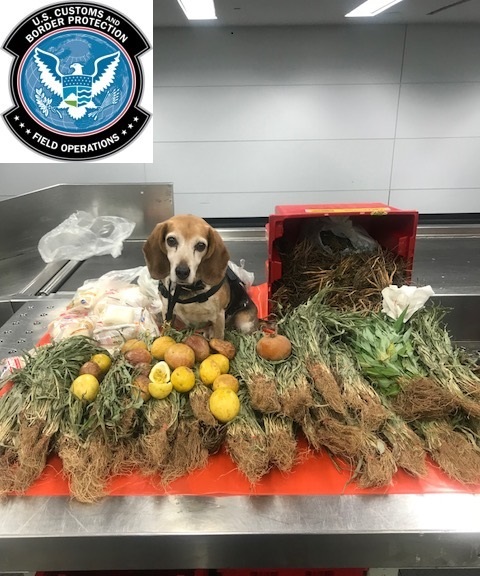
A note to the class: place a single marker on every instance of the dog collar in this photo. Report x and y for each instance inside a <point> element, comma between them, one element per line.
<point>176,296</point>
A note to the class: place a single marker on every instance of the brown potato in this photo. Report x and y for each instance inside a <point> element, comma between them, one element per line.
<point>223,347</point>
<point>143,368</point>
<point>199,345</point>
<point>138,356</point>
<point>91,368</point>
<point>140,384</point>
<point>180,355</point>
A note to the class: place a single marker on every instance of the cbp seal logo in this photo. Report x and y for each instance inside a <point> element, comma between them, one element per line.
<point>76,81</point>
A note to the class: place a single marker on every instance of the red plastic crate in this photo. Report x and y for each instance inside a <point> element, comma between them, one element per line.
<point>126,573</point>
<point>392,228</point>
<point>297,572</point>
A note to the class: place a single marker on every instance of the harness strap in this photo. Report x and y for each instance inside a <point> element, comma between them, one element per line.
<point>180,290</point>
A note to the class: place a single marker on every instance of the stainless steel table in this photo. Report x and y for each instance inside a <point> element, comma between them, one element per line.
<point>181,532</point>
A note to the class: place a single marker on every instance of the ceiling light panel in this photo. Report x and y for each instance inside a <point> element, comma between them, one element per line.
<point>371,8</point>
<point>198,9</point>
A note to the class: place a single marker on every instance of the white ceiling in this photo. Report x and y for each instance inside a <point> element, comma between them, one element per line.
<point>317,12</point>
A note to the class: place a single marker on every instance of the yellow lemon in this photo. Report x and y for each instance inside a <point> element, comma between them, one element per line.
<point>183,379</point>
<point>160,372</point>
<point>222,361</point>
<point>160,390</point>
<point>226,381</point>
<point>224,404</point>
<point>103,361</point>
<point>85,387</point>
<point>159,346</point>
<point>208,371</point>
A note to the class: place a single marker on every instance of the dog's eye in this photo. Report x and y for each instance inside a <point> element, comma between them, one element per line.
<point>200,246</point>
<point>172,241</point>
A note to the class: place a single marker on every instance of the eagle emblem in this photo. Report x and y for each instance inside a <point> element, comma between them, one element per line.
<point>77,89</point>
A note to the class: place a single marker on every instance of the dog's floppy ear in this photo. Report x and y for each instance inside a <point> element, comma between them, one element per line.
<point>155,253</point>
<point>214,264</point>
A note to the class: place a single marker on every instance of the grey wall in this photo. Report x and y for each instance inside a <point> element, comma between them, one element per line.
<point>248,118</point>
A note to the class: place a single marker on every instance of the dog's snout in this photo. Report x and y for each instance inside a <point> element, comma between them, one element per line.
<point>182,271</point>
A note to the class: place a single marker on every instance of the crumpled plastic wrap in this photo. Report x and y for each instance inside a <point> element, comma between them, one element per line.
<point>83,235</point>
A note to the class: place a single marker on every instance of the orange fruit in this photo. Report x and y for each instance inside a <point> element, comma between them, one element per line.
<point>222,361</point>
<point>183,379</point>
<point>160,345</point>
<point>85,387</point>
<point>226,381</point>
<point>224,404</point>
<point>208,371</point>
<point>103,361</point>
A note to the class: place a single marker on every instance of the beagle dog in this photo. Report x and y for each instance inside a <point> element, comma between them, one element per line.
<point>190,260</point>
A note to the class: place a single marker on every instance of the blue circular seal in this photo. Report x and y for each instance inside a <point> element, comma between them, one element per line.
<point>76,81</point>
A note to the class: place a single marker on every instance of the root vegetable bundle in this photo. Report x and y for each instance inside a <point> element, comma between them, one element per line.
<point>376,395</point>
<point>43,385</point>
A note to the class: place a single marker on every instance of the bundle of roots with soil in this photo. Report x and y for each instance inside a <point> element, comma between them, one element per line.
<point>453,448</point>
<point>247,444</point>
<point>356,279</point>
<point>94,439</point>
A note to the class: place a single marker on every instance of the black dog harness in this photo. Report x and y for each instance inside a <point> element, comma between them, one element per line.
<point>182,294</point>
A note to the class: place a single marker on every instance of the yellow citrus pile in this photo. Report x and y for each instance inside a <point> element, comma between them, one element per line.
<point>166,365</point>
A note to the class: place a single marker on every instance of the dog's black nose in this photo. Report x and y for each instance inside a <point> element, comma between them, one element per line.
<point>182,271</point>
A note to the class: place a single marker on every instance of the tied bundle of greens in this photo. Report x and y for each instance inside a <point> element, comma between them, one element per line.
<point>44,384</point>
<point>93,442</point>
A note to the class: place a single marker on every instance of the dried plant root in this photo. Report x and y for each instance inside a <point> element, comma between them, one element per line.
<point>423,398</point>
<point>323,429</point>
<point>454,451</point>
<point>362,400</point>
<point>87,466</point>
<point>199,397</point>
<point>263,393</point>
<point>407,448</point>
<point>378,463</point>
<point>256,373</point>
<point>325,383</point>
<point>187,452</point>
<point>281,441</point>
<point>154,443</point>
<point>247,445</point>
<point>297,399</point>
<point>213,437</point>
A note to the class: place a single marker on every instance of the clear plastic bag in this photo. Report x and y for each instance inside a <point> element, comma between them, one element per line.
<point>83,235</point>
<point>355,238</point>
<point>112,308</point>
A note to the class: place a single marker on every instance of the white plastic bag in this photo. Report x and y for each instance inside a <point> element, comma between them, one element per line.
<point>83,235</point>
<point>246,277</point>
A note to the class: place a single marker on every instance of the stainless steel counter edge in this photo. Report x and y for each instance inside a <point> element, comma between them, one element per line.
<point>182,532</point>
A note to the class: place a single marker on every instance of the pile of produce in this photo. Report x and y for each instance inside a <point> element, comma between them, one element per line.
<point>333,373</point>
<point>376,394</point>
